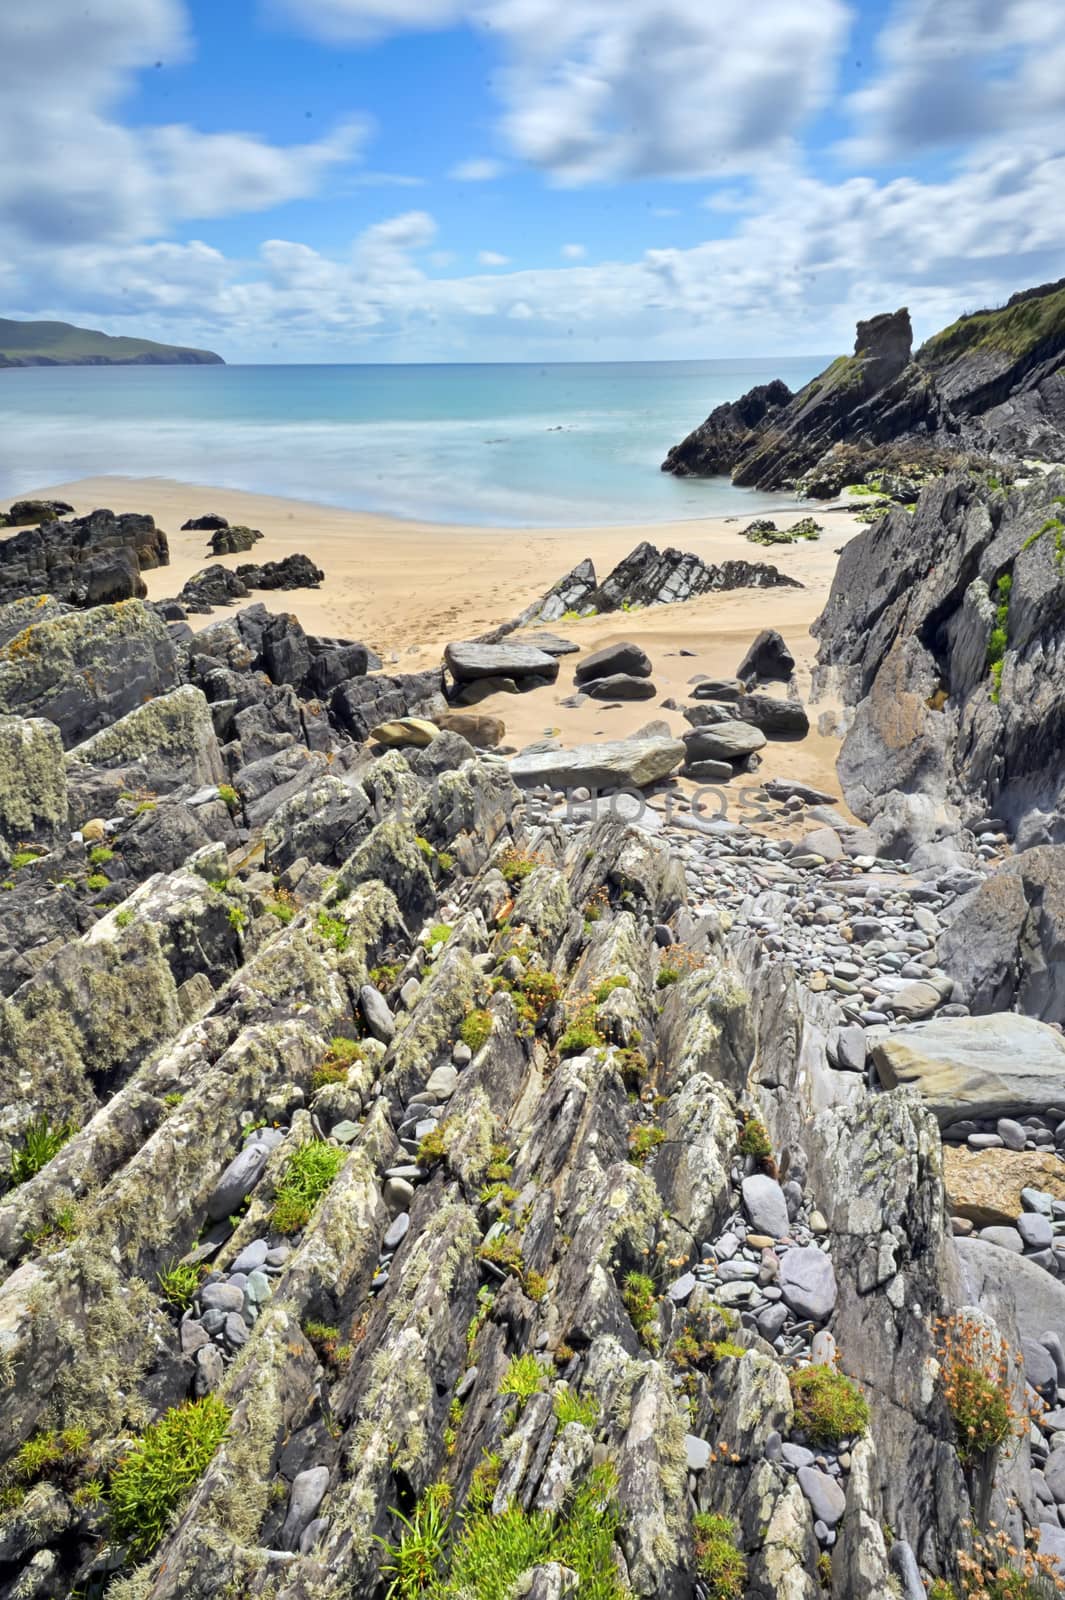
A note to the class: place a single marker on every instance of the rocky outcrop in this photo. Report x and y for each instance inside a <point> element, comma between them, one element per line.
<point>989,385</point>
<point>712,449</point>
<point>87,561</point>
<point>31,513</point>
<point>646,577</point>
<point>231,540</point>
<point>942,631</point>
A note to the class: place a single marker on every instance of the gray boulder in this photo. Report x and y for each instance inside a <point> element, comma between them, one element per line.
<point>779,719</point>
<point>613,659</point>
<point>765,1205</point>
<point>976,1067</point>
<point>619,686</point>
<point>33,780</point>
<point>767,658</point>
<point>723,741</point>
<point>808,1283</point>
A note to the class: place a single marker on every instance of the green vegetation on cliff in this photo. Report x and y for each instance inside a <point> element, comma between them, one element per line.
<point>1015,329</point>
<point>46,344</point>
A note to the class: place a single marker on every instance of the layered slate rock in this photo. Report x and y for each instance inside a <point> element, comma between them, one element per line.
<point>161,745</point>
<point>944,630</point>
<point>33,785</point>
<point>992,1066</point>
<point>84,670</point>
<point>712,449</point>
<point>87,561</point>
<point>610,765</point>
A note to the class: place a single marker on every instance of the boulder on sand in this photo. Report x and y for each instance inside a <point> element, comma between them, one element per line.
<point>620,686</point>
<point>205,524</point>
<point>976,1067</point>
<point>613,659</point>
<point>723,741</point>
<point>623,763</point>
<point>468,661</point>
<point>768,659</point>
<point>780,719</point>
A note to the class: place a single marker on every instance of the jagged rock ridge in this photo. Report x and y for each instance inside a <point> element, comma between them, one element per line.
<point>988,386</point>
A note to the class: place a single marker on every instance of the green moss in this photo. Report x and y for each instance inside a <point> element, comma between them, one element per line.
<point>334,1067</point>
<point>489,1553</point>
<point>178,1284</point>
<point>438,935</point>
<point>524,1377</point>
<point>998,640</point>
<point>24,858</point>
<point>828,1406</point>
<point>309,1171</point>
<point>475,1029</point>
<point>238,918</point>
<point>517,865</point>
<point>97,881</point>
<point>641,1302</point>
<point>719,1562</point>
<point>57,1456</point>
<point>605,989</point>
<point>229,795</point>
<point>642,1141</point>
<point>667,976</point>
<point>40,1143</point>
<point>569,1407</point>
<point>333,930</point>
<point>123,918</point>
<point>1015,330</point>
<point>149,1483</point>
<point>582,1033</point>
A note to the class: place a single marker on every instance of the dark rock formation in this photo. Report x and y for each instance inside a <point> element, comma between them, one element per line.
<point>31,513</point>
<point>208,523</point>
<point>89,561</point>
<point>713,448</point>
<point>989,385</point>
<point>232,540</point>
<point>219,586</point>
<point>291,572</point>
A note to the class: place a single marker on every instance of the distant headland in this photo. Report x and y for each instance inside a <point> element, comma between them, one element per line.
<point>61,344</point>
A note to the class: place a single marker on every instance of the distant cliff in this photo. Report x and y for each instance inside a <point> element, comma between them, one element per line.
<point>61,344</point>
<point>989,386</point>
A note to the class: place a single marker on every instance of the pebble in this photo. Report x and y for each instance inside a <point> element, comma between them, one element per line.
<point>397,1231</point>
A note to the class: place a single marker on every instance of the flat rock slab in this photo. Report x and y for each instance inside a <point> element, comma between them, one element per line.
<point>625,762</point>
<point>985,1185</point>
<point>468,661</point>
<point>980,1067</point>
<point>619,686</point>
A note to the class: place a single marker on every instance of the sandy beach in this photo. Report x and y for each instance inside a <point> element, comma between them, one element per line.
<point>407,588</point>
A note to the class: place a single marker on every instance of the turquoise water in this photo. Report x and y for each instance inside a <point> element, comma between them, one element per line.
<point>528,446</point>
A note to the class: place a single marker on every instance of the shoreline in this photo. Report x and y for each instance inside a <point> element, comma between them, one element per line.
<point>407,588</point>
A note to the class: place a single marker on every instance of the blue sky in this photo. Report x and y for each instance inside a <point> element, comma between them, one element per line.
<point>526,179</point>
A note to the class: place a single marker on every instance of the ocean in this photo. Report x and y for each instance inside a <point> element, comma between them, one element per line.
<point>521,445</point>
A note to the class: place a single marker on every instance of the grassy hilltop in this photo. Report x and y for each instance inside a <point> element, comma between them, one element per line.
<point>61,344</point>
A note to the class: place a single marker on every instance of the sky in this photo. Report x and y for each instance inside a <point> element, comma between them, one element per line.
<point>509,180</point>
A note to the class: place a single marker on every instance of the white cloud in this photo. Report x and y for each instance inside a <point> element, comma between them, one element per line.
<point>957,71</point>
<point>70,173</point>
<point>794,275</point>
<point>596,89</point>
<point>480,170</point>
<point>492,258</point>
<point>574,252</point>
